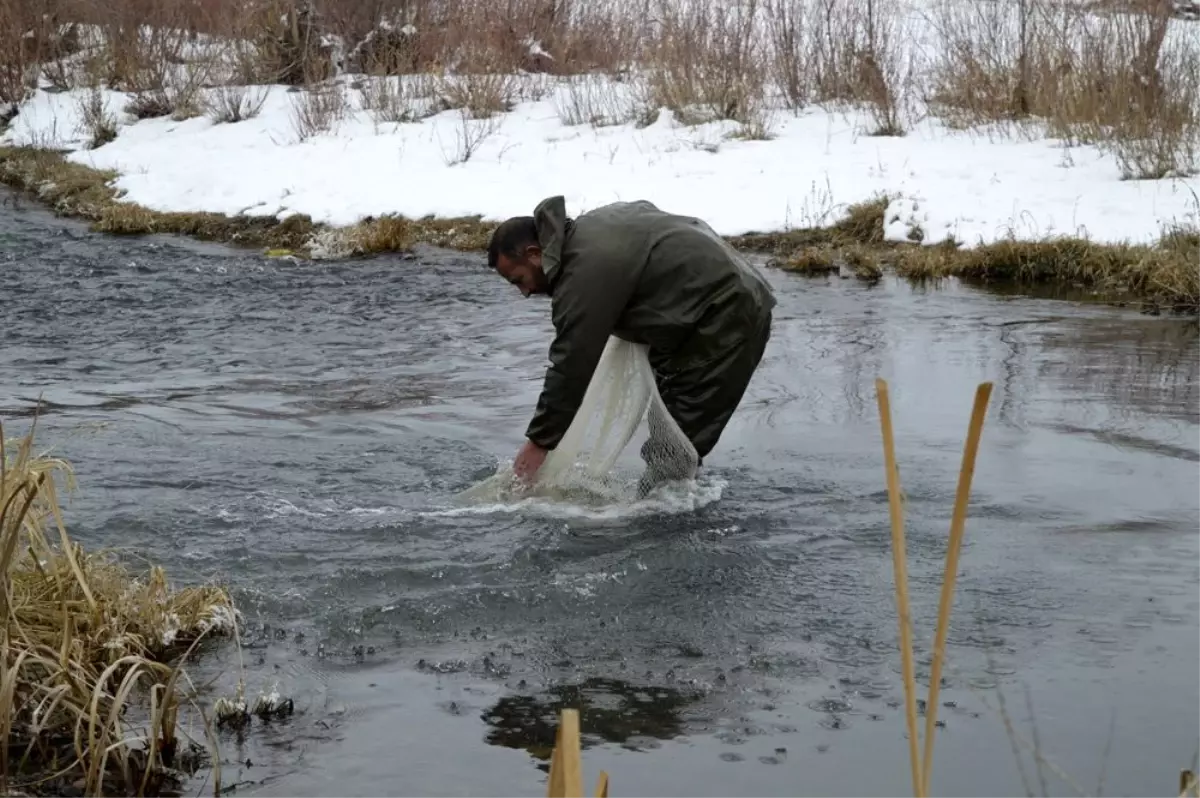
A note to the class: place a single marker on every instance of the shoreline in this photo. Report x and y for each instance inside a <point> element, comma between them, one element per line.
<point>1156,278</point>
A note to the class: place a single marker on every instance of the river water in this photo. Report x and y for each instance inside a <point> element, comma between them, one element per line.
<point>299,431</point>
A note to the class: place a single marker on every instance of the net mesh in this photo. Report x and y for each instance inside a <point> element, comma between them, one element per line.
<point>621,446</point>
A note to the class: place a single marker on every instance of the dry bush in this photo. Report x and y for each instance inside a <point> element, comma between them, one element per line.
<point>230,104</point>
<point>87,650</point>
<point>31,34</point>
<point>791,60</point>
<point>599,35</point>
<point>844,51</point>
<point>390,47</point>
<point>988,58</point>
<point>469,135</point>
<point>481,94</point>
<point>708,63</point>
<point>1115,80</point>
<point>177,95</point>
<point>1134,92</point>
<point>595,100</point>
<point>882,64</point>
<point>286,44</point>
<point>833,44</point>
<point>398,100</point>
<point>95,121</point>
<point>318,109</point>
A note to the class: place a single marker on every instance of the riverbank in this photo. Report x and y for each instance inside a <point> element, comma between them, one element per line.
<point>1041,145</point>
<point>1164,275</point>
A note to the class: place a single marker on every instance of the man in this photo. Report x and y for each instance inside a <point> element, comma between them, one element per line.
<point>644,275</point>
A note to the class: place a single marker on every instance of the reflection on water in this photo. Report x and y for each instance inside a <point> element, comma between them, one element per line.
<point>301,432</point>
<point>610,710</point>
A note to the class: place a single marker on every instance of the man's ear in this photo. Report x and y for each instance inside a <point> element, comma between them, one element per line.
<point>533,250</point>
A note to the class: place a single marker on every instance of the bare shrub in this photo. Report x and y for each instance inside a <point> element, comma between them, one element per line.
<point>317,109</point>
<point>851,51</point>
<point>391,47</point>
<point>708,62</point>
<point>1114,80</point>
<point>1134,92</point>
<point>289,46</point>
<point>469,134</point>
<point>595,100</point>
<point>30,35</point>
<point>791,61</point>
<point>481,94</point>
<point>231,104</point>
<point>833,47</point>
<point>397,100</point>
<point>999,62</point>
<point>95,121</point>
<point>882,66</point>
<point>177,96</point>
<point>598,36</point>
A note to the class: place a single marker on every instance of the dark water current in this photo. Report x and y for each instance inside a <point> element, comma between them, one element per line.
<point>299,430</point>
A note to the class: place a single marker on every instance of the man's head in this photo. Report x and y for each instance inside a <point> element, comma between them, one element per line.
<point>515,253</point>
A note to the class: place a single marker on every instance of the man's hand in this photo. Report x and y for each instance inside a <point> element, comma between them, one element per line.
<point>528,461</point>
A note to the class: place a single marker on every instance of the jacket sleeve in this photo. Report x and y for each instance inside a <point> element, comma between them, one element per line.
<point>587,303</point>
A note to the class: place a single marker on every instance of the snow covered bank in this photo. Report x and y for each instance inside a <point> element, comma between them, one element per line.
<point>951,184</point>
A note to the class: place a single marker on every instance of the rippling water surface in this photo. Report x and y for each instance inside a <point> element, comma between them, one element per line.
<point>299,430</point>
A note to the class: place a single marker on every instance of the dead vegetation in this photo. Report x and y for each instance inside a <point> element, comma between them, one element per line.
<point>93,697</point>
<point>1127,79</point>
<point>1124,79</point>
<point>1117,80</point>
<point>1160,277</point>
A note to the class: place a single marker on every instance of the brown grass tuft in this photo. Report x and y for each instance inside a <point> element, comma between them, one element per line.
<point>862,223</point>
<point>87,649</point>
<point>318,109</point>
<point>232,104</point>
<point>1165,276</point>
<point>96,123</point>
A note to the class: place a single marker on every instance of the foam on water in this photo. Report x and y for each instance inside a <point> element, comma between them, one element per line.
<point>671,499</point>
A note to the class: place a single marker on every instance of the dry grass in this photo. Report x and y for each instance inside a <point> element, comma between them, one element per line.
<point>318,109</point>
<point>231,104</point>
<point>1163,276</point>
<point>861,223</point>
<point>81,192</point>
<point>1123,81</point>
<point>88,649</point>
<point>1116,80</point>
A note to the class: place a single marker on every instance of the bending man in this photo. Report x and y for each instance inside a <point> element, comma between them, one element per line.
<point>648,276</point>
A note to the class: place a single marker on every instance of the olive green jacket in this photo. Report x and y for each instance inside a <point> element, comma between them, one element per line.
<point>644,275</point>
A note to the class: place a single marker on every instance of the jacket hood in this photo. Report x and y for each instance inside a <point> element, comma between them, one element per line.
<point>553,226</point>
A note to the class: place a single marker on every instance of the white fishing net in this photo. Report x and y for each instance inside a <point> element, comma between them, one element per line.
<point>621,446</point>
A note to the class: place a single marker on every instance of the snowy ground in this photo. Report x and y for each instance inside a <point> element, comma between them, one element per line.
<point>963,185</point>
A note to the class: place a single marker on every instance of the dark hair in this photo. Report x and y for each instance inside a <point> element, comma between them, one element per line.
<point>511,237</point>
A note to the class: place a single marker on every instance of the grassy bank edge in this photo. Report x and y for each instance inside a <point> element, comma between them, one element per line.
<point>1164,277</point>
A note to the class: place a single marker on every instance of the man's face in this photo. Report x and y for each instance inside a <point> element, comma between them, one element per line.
<point>524,272</point>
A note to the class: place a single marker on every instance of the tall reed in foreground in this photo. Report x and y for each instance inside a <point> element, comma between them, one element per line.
<point>90,658</point>
<point>919,765</point>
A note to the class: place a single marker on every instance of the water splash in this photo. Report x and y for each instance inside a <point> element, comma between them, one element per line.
<point>502,498</point>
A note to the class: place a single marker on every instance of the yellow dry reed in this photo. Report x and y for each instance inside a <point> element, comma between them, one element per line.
<point>566,766</point>
<point>921,767</point>
<point>86,648</point>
